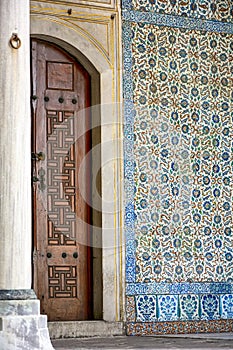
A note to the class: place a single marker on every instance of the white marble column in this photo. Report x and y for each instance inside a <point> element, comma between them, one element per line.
<point>21,325</point>
<point>15,136</point>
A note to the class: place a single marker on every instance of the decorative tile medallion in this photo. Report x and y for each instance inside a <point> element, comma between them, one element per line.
<point>209,307</point>
<point>146,308</point>
<point>189,307</point>
<point>226,302</point>
<point>168,307</point>
<point>178,90</point>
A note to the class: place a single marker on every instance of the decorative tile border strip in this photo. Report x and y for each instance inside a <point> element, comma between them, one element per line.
<point>177,21</point>
<point>179,288</point>
<point>128,154</point>
<point>179,327</point>
<point>185,307</point>
<point>212,10</point>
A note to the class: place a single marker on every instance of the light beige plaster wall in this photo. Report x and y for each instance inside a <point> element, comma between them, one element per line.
<point>90,31</point>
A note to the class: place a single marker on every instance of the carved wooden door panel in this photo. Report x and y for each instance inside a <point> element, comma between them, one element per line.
<point>60,97</point>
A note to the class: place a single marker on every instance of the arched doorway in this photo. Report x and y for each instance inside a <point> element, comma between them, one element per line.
<point>61,139</point>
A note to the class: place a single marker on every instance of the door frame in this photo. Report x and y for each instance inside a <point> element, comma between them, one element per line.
<point>108,300</point>
<point>81,145</point>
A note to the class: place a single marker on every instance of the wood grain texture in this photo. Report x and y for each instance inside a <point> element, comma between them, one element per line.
<point>62,259</point>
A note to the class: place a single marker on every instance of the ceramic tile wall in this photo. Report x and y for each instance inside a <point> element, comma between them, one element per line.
<point>178,162</point>
<point>220,10</point>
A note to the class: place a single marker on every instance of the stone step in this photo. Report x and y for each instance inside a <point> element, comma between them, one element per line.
<point>25,333</point>
<point>75,329</point>
<point>19,307</point>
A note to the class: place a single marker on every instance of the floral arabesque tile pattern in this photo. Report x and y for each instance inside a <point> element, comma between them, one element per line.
<point>205,9</point>
<point>182,147</point>
<point>178,173</point>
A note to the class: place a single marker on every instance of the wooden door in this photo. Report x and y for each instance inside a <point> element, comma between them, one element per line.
<point>61,183</point>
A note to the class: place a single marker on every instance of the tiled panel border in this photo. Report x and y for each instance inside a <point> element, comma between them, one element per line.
<point>192,9</point>
<point>180,327</point>
<point>128,155</point>
<point>177,21</point>
<point>179,288</point>
<point>185,307</point>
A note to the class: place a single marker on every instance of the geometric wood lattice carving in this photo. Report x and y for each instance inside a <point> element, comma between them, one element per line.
<point>62,281</point>
<point>61,178</point>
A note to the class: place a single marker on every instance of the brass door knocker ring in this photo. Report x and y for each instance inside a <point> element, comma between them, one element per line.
<point>15,41</point>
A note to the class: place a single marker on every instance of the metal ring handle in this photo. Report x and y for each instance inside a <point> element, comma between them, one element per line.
<point>15,41</point>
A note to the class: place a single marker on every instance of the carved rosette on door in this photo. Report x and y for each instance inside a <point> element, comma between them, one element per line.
<point>61,234</point>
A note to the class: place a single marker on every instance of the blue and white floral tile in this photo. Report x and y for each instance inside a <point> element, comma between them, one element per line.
<point>178,174</point>
<point>202,9</point>
<point>146,309</point>
<point>226,306</point>
<point>168,307</point>
<point>189,307</point>
<point>209,304</point>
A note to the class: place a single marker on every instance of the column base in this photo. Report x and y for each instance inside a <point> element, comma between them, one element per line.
<point>21,325</point>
